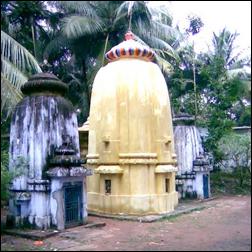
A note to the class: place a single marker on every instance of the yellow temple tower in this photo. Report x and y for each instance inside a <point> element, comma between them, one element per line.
<point>131,146</point>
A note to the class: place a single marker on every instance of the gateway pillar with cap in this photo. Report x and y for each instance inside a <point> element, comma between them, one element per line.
<point>131,146</point>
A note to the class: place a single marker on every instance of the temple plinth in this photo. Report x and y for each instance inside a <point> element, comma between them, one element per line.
<point>131,146</point>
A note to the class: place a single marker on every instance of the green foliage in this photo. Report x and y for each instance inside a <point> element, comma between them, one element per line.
<point>235,174</point>
<point>23,23</point>
<point>220,95</point>
<point>228,183</point>
<point>23,38</point>
<point>244,118</point>
<point>74,45</point>
<point>204,85</point>
<point>236,149</point>
<point>76,26</point>
<point>224,47</point>
<point>17,64</point>
<point>5,176</point>
<point>20,168</point>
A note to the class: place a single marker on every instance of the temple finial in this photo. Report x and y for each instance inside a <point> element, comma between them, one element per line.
<point>129,35</point>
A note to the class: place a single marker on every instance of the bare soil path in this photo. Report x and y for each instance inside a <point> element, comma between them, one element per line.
<point>225,225</point>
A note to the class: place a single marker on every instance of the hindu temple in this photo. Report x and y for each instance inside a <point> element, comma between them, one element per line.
<point>194,163</point>
<point>48,189</point>
<point>130,138</point>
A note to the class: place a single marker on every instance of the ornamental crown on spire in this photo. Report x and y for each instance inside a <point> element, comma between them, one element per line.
<point>130,49</point>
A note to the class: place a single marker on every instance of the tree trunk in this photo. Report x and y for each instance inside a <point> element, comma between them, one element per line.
<point>84,74</point>
<point>33,38</point>
<point>194,88</point>
<point>105,49</point>
<point>241,177</point>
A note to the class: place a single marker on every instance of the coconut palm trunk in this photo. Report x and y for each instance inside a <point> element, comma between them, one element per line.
<point>33,37</point>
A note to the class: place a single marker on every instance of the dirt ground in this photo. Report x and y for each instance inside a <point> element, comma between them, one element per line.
<point>225,225</point>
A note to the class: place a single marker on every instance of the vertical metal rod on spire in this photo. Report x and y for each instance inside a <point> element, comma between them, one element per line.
<point>130,19</point>
<point>105,49</point>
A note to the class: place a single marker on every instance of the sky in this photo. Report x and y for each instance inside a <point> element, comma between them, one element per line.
<point>234,15</point>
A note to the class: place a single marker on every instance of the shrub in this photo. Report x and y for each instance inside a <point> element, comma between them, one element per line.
<point>5,176</point>
<point>236,150</point>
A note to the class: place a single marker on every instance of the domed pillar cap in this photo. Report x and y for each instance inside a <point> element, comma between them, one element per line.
<point>44,82</point>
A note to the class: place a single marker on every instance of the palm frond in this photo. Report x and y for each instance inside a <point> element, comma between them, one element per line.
<point>164,53</point>
<point>12,74</point>
<point>138,39</point>
<point>10,96</point>
<point>131,7</point>
<point>158,30</point>
<point>17,54</point>
<point>16,62</point>
<point>224,47</point>
<point>164,31</point>
<point>165,47</point>
<point>165,66</point>
<point>126,5</point>
<point>77,26</point>
<point>157,44</point>
<point>81,7</point>
<point>118,18</point>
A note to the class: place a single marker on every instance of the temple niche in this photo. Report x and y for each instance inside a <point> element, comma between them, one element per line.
<point>49,189</point>
<point>130,141</point>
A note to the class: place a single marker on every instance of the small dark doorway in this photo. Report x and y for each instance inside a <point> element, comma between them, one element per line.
<point>205,186</point>
<point>73,204</point>
<point>107,186</point>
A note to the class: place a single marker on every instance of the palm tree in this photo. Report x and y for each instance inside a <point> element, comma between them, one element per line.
<point>17,65</point>
<point>91,28</point>
<point>232,61</point>
<point>23,37</point>
<point>25,19</point>
<point>229,82</point>
<point>223,47</point>
<point>153,27</point>
<point>224,50</point>
<point>108,21</point>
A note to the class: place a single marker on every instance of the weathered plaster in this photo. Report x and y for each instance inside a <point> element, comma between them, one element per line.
<point>38,125</point>
<point>130,135</point>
